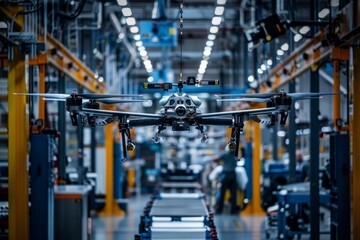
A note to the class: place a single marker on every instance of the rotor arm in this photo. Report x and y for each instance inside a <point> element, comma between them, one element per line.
<point>216,121</point>
<point>145,122</point>
<point>123,139</point>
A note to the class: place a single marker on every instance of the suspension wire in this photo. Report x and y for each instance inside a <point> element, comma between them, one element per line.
<point>181,38</point>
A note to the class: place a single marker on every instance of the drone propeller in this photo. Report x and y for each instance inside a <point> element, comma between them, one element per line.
<point>91,96</point>
<point>105,101</point>
<point>113,101</point>
<point>247,95</point>
<point>266,97</point>
<point>243,100</point>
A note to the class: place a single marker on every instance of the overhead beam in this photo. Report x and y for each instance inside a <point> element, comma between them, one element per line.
<point>59,57</point>
<point>63,60</point>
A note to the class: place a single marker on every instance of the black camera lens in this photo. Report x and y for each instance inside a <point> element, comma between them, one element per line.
<point>180,111</point>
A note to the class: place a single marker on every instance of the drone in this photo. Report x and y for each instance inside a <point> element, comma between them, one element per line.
<point>180,111</point>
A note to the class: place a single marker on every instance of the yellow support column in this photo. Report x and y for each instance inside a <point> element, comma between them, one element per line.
<point>18,148</point>
<point>355,145</point>
<point>256,169</point>
<point>111,206</point>
<point>41,114</point>
<point>254,206</point>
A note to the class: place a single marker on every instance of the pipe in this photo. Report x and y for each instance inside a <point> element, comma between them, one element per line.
<point>330,80</point>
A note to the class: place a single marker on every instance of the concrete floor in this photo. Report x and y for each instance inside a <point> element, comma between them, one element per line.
<point>229,227</point>
<point>121,228</point>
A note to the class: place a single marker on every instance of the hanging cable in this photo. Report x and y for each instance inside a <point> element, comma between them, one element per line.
<point>181,38</point>
<point>76,12</point>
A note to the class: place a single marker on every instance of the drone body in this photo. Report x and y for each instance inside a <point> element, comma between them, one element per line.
<point>179,111</point>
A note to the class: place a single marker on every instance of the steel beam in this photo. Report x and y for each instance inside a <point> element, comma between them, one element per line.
<point>257,209</point>
<point>41,113</point>
<point>355,127</point>
<point>338,54</point>
<point>314,158</point>
<point>292,138</point>
<point>62,129</point>
<point>18,146</point>
<point>60,57</point>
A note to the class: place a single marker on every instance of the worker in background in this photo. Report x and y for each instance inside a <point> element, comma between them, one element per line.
<point>302,167</point>
<point>226,175</point>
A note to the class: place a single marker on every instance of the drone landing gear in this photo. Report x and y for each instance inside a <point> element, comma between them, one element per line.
<point>234,142</point>
<point>74,118</point>
<point>156,138</point>
<point>283,117</point>
<point>125,135</point>
<point>204,137</point>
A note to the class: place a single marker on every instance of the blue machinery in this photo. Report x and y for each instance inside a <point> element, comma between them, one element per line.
<point>337,198</point>
<point>42,187</point>
<point>171,213</point>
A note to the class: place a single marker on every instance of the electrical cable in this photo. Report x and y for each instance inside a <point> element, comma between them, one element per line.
<point>181,38</point>
<point>76,13</point>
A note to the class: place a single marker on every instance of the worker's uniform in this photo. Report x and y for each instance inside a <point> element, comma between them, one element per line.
<point>228,181</point>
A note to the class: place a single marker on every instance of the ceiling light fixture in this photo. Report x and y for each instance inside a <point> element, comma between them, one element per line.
<point>122,2</point>
<point>209,43</point>
<point>285,47</point>
<point>211,37</point>
<point>216,21</point>
<point>219,10</point>
<point>137,37</point>
<point>297,37</point>
<point>206,53</point>
<point>134,29</point>
<point>214,29</point>
<point>130,21</point>
<point>126,12</point>
<point>280,52</point>
<point>304,30</point>
<point>323,13</point>
<point>251,78</point>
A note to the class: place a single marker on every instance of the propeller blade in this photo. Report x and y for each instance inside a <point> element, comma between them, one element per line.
<point>55,99</point>
<point>299,96</point>
<point>101,96</point>
<point>49,95</point>
<point>91,96</point>
<point>112,101</point>
<point>261,100</point>
<point>248,95</point>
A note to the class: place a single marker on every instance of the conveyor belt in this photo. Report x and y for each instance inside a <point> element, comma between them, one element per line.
<point>180,185</point>
<point>178,207</point>
<point>180,195</point>
<point>178,233</point>
<point>177,215</point>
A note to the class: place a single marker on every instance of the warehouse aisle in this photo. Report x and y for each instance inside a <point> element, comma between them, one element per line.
<point>121,228</point>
